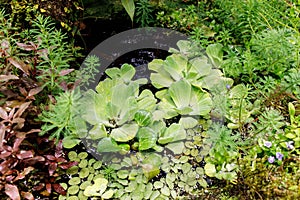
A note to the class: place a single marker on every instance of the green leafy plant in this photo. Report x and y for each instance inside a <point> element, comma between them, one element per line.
<point>144,11</point>
<point>292,131</point>
<point>86,178</point>
<point>129,7</point>
<point>56,56</point>
<point>260,57</point>
<point>128,114</point>
<point>88,71</point>
<point>60,119</point>
<point>222,160</point>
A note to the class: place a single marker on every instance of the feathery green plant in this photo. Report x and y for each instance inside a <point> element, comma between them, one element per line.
<point>144,13</point>
<point>60,119</point>
<point>57,53</point>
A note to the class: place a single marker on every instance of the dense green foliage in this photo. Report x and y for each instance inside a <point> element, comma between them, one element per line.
<point>221,119</point>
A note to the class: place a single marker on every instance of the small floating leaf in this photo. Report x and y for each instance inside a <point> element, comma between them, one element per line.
<point>108,194</point>
<point>84,173</point>
<point>74,181</point>
<point>73,170</point>
<point>64,185</point>
<point>97,165</point>
<point>83,164</point>
<point>131,186</point>
<point>165,191</point>
<point>122,174</point>
<point>158,184</point>
<point>82,155</point>
<point>72,155</point>
<point>176,147</point>
<point>81,196</point>
<point>154,195</point>
<point>73,189</point>
<point>147,138</point>
<point>210,169</point>
<point>85,184</point>
<point>143,117</point>
<point>91,161</point>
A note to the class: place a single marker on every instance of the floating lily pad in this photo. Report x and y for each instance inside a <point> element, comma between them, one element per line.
<point>202,182</point>
<point>131,186</point>
<point>85,184</point>
<point>123,182</point>
<point>74,181</point>
<point>91,161</point>
<point>154,195</point>
<point>165,191</point>
<point>92,170</point>
<point>210,169</point>
<point>184,159</point>
<point>122,174</point>
<point>83,164</point>
<point>90,177</point>
<point>81,196</point>
<point>148,191</point>
<point>72,155</point>
<point>158,184</point>
<point>132,174</point>
<point>73,189</point>
<point>84,173</point>
<point>73,170</point>
<point>126,162</point>
<point>82,155</point>
<point>108,194</point>
<point>97,189</point>
<point>97,165</point>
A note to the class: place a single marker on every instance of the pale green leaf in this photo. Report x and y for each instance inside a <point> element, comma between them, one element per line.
<point>180,93</point>
<point>108,194</point>
<point>215,53</point>
<point>175,66</point>
<point>129,7</point>
<point>173,133</point>
<point>146,101</point>
<point>188,122</point>
<point>176,147</point>
<point>92,108</point>
<point>201,66</point>
<point>210,169</point>
<point>70,142</point>
<point>147,138</point>
<point>107,145</point>
<point>238,92</point>
<point>200,102</point>
<point>97,132</point>
<point>124,133</point>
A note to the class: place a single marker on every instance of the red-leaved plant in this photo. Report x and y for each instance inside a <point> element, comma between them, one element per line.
<point>29,164</point>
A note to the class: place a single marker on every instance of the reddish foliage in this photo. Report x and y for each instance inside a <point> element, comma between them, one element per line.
<point>29,164</point>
